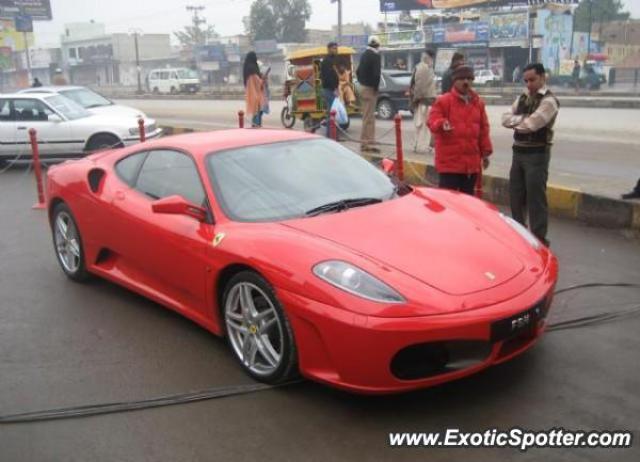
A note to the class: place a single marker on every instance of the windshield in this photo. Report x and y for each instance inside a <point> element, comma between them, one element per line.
<point>86,98</point>
<point>68,108</point>
<point>285,180</point>
<point>187,74</point>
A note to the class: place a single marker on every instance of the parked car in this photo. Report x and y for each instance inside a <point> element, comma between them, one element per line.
<point>178,80</point>
<point>487,77</point>
<point>393,95</point>
<point>303,255</point>
<point>92,101</point>
<point>64,128</point>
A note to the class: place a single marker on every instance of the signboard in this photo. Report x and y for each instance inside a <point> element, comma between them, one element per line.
<point>211,53</point>
<point>461,33</point>
<point>407,5</point>
<point>557,31</point>
<point>354,41</point>
<point>5,58</point>
<point>39,10</point>
<point>402,39</point>
<point>11,38</point>
<point>509,29</point>
<point>266,46</point>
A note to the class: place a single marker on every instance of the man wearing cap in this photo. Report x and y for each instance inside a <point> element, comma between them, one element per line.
<point>369,77</point>
<point>531,118</point>
<point>459,122</point>
<point>329,78</point>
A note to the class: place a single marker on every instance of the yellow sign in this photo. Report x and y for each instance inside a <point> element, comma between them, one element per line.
<point>11,38</point>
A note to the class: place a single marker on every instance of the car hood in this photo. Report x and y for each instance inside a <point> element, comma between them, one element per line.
<point>115,110</point>
<point>431,242</point>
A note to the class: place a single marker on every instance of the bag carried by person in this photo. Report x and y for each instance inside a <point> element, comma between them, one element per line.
<point>341,112</point>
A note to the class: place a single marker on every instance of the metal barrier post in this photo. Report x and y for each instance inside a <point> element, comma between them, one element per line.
<point>241,119</point>
<point>399,153</point>
<point>141,130</point>
<point>37,169</point>
<point>333,132</point>
<point>478,187</point>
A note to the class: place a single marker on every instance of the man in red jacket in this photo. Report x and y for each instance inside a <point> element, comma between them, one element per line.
<point>459,122</point>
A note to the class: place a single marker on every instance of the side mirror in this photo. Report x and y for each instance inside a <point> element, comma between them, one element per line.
<point>55,118</point>
<point>388,166</point>
<point>178,205</point>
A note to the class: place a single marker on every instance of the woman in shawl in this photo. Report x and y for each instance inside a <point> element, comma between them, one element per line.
<point>254,88</point>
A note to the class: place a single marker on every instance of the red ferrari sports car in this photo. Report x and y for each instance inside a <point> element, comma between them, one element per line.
<point>306,257</point>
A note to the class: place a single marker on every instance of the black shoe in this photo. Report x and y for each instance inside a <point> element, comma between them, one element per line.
<point>631,195</point>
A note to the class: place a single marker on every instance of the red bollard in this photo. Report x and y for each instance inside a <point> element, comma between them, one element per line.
<point>241,119</point>
<point>143,135</point>
<point>478,188</point>
<point>333,131</point>
<point>399,153</point>
<point>37,169</point>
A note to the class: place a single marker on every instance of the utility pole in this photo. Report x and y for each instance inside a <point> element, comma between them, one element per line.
<point>135,38</point>
<point>590,25</point>
<point>339,35</point>
<point>197,20</point>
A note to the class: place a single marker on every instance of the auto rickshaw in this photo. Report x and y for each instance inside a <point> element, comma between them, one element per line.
<point>303,88</point>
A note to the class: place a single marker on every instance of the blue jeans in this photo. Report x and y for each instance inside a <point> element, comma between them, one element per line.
<point>328,96</point>
<point>256,120</point>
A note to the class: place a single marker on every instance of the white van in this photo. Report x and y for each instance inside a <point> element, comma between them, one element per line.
<point>173,80</point>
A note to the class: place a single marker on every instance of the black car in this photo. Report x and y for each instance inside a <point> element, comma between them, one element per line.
<point>393,94</point>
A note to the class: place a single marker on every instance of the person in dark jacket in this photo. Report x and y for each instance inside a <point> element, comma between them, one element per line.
<point>368,74</point>
<point>459,122</point>
<point>329,79</point>
<point>447,78</point>
<point>36,83</point>
<point>635,194</point>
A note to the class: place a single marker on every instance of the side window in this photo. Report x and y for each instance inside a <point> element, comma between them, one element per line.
<point>31,110</point>
<point>5,111</point>
<point>174,76</point>
<point>165,173</point>
<point>164,76</point>
<point>128,168</point>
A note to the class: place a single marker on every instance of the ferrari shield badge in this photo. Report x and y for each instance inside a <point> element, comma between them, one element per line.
<point>218,239</point>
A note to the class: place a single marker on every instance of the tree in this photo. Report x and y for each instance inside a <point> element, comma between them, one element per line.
<point>194,35</point>
<point>282,20</point>
<point>601,11</point>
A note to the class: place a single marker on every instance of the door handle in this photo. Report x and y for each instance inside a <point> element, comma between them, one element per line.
<point>22,128</point>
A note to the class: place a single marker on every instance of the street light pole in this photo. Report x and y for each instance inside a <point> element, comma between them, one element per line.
<point>590,25</point>
<point>339,21</point>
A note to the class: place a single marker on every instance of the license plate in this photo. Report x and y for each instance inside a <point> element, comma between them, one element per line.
<point>517,324</point>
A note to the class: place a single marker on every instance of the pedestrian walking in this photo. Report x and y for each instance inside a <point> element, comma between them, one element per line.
<point>423,95</point>
<point>458,120</point>
<point>36,83</point>
<point>575,75</point>
<point>516,74</point>
<point>447,80</point>
<point>635,194</point>
<point>330,81</point>
<point>368,74</point>
<point>254,88</point>
<point>532,117</point>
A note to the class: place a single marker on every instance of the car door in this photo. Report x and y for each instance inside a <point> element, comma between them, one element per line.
<point>8,147</point>
<point>166,252</point>
<point>54,136</point>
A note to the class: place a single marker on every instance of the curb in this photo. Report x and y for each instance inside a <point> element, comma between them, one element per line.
<point>563,202</point>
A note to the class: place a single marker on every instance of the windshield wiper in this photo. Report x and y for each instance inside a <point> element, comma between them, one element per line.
<point>91,106</point>
<point>341,205</point>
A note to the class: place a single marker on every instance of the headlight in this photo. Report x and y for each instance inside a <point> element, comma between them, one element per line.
<point>522,231</point>
<point>356,281</point>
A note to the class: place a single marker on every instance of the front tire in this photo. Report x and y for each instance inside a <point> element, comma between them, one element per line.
<point>258,330</point>
<point>67,243</point>
<point>288,120</point>
<point>105,141</point>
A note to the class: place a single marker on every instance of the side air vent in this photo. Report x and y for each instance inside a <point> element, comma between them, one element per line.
<point>95,179</point>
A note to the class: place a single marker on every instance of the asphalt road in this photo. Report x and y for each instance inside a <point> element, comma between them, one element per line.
<point>596,150</point>
<point>65,344</point>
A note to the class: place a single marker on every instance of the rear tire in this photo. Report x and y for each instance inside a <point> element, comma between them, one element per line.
<point>67,244</point>
<point>386,110</point>
<point>258,330</point>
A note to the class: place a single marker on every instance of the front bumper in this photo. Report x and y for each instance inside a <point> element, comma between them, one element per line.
<point>356,352</point>
<point>157,133</point>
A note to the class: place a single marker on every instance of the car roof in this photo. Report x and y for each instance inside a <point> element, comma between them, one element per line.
<point>199,144</point>
<point>51,89</point>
